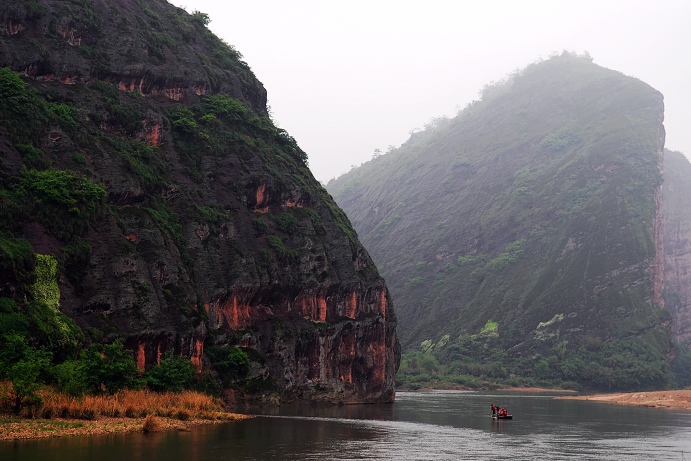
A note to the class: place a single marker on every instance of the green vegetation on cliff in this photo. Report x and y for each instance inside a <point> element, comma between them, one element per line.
<point>147,197</point>
<point>533,209</point>
<point>676,198</point>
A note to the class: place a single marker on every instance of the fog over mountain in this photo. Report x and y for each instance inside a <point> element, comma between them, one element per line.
<point>346,78</point>
<point>523,239</point>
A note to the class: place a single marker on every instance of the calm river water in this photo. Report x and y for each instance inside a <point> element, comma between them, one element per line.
<point>419,426</point>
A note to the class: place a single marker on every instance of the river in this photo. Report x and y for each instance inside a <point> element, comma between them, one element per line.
<point>439,425</point>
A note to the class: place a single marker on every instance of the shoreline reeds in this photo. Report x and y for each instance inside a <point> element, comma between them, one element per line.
<point>127,403</point>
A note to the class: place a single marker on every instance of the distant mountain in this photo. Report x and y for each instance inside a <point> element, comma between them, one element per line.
<point>146,195</point>
<point>522,239</point>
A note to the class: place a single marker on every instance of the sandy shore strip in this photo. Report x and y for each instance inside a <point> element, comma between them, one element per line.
<point>679,400</point>
<point>536,390</point>
<point>20,428</point>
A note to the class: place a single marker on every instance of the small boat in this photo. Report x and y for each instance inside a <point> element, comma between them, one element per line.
<point>502,416</point>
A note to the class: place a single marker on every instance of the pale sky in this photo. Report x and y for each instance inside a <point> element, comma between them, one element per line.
<point>349,77</point>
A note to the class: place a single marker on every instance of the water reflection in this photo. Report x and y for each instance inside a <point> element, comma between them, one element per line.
<point>424,426</point>
<point>383,412</point>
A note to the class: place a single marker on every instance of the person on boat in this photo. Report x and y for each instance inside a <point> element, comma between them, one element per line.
<point>494,410</point>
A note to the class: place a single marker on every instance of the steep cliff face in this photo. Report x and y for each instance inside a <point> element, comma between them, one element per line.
<point>528,237</point>
<point>677,237</point>
<point>211,231</point>
<point>658,269</point>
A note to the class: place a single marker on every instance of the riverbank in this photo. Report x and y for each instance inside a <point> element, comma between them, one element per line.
<point>19,428</point>
<point>680,400</point>
<point>534,390</point>
<point>58,415</point>
<point>537,390</point>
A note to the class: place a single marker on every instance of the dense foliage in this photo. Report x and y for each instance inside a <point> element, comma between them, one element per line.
<point>218,120</point>
<point>480,361</point>
<point>41,346</point>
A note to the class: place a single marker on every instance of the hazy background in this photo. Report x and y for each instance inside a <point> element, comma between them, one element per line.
<point>346,78</point>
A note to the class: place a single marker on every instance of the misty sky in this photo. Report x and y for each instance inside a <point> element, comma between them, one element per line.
<point>345,78</point>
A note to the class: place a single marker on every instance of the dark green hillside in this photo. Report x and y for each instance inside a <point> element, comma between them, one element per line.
<point>676,192</point>
<point>146,196</point>
<point>519,238</point>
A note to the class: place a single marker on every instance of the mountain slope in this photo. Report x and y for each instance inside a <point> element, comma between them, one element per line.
<point>523,236</point>
<point>677,232</point>
<point>145,193</point>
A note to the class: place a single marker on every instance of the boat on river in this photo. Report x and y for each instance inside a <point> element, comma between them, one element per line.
<point>502,416</point>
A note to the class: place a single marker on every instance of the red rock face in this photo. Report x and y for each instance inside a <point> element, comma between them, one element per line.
<point>141,356</point>
<point>346,355</point>
<point>382,303</point>
<point>197,354</point>
<point>69,79</point>
<point>147,86</point>
<point>233,315</point>
<point>153,134</point>
<point>200,89</point>
<point>352,355</point>
<point>262,199</point>
<point>351,305</point>
<point>377,349</point>
<point>294,203</point>
<point>313,307</point>
<point>150,351</point>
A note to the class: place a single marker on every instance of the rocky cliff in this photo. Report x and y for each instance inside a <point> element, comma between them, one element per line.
<point>677,238</point>
<point>527,241</point>
<point>137,153</point>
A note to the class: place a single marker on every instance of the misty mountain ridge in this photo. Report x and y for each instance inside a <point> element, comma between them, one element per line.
<point>522,239</point>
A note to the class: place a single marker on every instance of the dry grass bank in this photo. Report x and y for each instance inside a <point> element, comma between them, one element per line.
<point>680,399</point>
<point>131,404</point>
<point>127,411</point>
